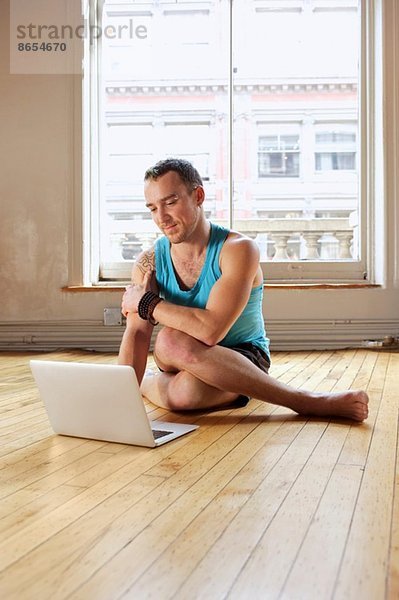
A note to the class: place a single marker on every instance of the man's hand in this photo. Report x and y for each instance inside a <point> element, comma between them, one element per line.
<point>134,293</point>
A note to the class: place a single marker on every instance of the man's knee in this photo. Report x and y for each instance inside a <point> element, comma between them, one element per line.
<point>174,347</point>
<point>184,392</point>
<point>178,399</point>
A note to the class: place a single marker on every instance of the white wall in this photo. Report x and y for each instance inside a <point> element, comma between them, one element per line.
<point>36,191</point>
<point>36,187</point>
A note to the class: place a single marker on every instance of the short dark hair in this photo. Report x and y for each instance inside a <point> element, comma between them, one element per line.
<point>187,172</point>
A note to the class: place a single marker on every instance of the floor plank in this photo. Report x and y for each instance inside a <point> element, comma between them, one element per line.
<point>369,536</point>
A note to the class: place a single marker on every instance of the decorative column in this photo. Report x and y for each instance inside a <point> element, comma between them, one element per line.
<point>345,240</point>
<point>146,239</point>
<point>280,244</point>
<point>311,239</point>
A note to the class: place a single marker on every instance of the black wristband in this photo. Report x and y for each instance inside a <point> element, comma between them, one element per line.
<point>153,303</point>
<point>146,306</point>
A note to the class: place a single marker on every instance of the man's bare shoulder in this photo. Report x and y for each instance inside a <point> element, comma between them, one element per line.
<point>238,243</point>
<point>145,263</point>
<point>240,257</point>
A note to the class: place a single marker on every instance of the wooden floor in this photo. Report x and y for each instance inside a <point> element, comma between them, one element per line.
<point>256,503</point>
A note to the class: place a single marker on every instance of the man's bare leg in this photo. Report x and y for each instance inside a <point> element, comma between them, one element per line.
<point>229,371</point>
<point>182,391</point>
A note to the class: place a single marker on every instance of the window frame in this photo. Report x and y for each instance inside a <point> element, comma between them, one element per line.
<point>279,272</point>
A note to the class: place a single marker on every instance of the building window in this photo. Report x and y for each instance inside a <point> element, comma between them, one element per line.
<point>278,156</point>
<point>335,151</point>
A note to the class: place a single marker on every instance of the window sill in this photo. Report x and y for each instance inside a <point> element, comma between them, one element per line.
<point>321,286</point>
<point>94,288</point>
<point>270,286</point>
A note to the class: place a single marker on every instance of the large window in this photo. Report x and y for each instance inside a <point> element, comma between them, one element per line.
<point>265,103</point>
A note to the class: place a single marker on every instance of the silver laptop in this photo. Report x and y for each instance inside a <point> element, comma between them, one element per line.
<point>101,402</point>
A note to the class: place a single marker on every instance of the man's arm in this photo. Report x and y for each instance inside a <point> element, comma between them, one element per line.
<point>137,335</point>
<point>228,297</point>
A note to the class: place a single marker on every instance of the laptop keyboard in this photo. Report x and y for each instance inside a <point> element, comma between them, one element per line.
<point>158,433</point>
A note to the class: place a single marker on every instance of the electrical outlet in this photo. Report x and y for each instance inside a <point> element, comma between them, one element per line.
<point>112,317</point>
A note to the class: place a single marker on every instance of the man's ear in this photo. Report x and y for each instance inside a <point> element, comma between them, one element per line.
<point>200,195</point>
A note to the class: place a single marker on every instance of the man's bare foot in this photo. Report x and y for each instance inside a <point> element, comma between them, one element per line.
<point>148,383</point>
<point>349,404</point>
<point>153,387</point>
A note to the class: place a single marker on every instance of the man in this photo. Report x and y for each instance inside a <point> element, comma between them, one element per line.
<point>204,285</point>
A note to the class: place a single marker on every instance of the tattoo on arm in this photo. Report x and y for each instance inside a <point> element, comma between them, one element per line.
<point>146,262</point>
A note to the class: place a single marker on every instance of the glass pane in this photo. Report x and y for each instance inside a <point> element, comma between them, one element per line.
<point>278,164</point>
<point>296,127</point>
<point>335,137</point>
<point>163,89</point>
<point>327,161</point>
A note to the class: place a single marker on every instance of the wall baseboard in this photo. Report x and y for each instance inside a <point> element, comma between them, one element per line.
<point>329,334</point>
<point>315,334</point>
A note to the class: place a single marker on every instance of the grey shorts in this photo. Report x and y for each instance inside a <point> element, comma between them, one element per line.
<point>258,357</point>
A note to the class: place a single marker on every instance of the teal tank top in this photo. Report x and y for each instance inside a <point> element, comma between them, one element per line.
<point>249,327</point>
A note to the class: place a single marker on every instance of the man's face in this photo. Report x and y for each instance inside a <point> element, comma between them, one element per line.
<point>175,209</point>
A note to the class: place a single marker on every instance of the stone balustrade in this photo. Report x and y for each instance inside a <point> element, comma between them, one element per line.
<point>310,231</point>
<point>130,236</point>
